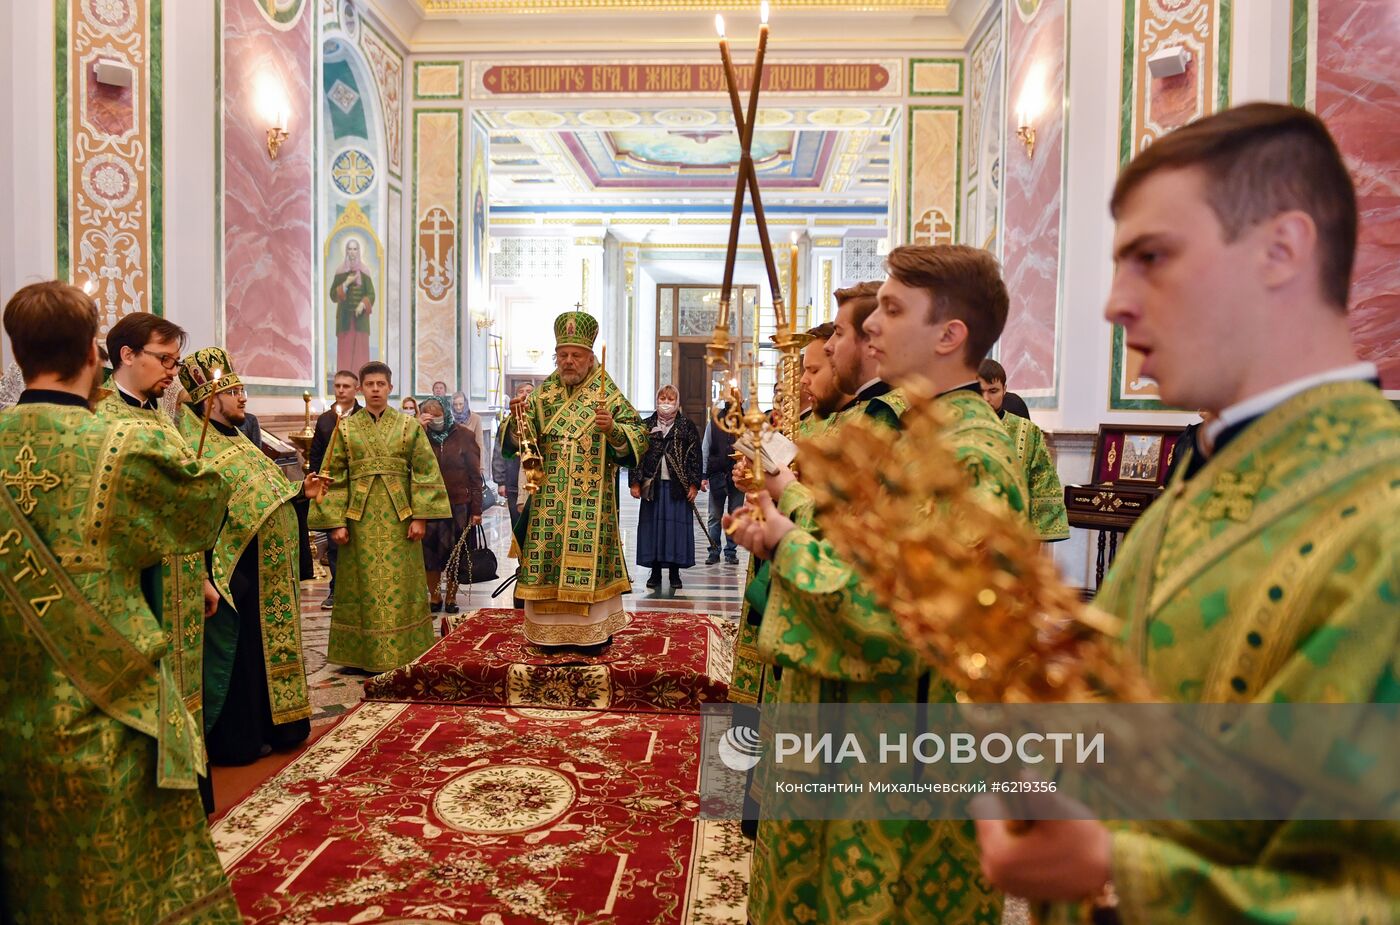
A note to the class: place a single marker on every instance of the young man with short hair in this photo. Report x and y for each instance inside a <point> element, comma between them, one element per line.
<point>1047,495</point>
<point>1268,570</point>
<point>992,375</point>
<point>144,350</point>
<point>938,314</point>
<point>346,384</point>
<point>856,371</point>
<point>100,821</point>
<point>384,475</point>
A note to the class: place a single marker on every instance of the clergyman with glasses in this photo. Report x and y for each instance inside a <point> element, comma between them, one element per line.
<point>144,351</point>
<point>255,696</point>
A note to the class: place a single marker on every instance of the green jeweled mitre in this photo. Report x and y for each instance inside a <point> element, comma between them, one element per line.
<point>207,371</point>
<point>575,329</point>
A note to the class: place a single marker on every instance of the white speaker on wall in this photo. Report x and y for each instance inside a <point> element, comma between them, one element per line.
<point>1168,62</point>
<point>114,73</point>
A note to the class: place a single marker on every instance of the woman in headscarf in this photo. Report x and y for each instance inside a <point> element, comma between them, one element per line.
<point>459,457</point>
<point>463,415</point>
<point>666,482</point>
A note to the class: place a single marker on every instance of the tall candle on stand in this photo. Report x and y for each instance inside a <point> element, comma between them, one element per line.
<point>602,371</point>
<point>760,220</point>
<point>792,285</point>
<point>731,251</point>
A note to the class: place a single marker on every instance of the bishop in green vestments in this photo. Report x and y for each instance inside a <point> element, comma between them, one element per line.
<point>572,573</point>
<point>385,486</point>
<point>835,645</point>
<point>255,694</point>
<point>99,819</point>
<point>1268,572</point>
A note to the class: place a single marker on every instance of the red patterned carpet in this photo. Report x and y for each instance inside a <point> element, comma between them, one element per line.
<point>418,813</point>
<point>662,661</point>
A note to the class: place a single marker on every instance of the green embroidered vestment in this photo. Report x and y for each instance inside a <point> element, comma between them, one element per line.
<point>180,577</point>
<point>835,645</point>
<point>258,508</point>
<point>385,474</point>
<point>1047,495</point>
<point>1272,575</point>
<point>571,555</point>
<point>100,819</point>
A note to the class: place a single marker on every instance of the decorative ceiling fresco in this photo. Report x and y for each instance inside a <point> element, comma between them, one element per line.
<point>459,7</point>
<point>826,155</point>
<point>639,159</point>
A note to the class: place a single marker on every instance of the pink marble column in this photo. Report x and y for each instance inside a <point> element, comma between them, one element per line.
<point>268,296</point>
<point>1031,252</point>
<point>1358,71</point>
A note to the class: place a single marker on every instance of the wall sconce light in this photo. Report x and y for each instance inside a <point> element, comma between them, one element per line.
<point>276,135</point>
<point>1026,132</point>
<point>482,322</point>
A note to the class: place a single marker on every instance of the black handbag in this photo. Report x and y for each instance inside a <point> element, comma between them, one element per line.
<point>472,561</point>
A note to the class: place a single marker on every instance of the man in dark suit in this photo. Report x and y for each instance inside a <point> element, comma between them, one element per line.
<point>346,384</point>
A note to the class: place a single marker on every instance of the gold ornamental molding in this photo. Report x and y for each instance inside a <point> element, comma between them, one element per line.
<point>534,7</point>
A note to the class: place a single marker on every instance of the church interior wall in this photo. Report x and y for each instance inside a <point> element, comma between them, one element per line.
<point>212,195</point>
<point>267,78</point>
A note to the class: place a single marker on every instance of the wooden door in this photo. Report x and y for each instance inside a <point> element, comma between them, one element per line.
<point>693,383</point>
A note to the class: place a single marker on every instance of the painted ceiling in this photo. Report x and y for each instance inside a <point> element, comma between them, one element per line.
<point>831,155</point>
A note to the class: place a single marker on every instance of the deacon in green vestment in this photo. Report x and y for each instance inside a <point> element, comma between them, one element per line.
<point>1268,572</point>
<point>835,645</point>
<point>1047,495</point>
<point>144,350</point>
<point>383,473</point>
<point>255,695</point>
<point>99,819</point>
<point>572,574</point>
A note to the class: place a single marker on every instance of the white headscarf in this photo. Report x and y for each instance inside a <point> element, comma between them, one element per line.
<point>664,422</point>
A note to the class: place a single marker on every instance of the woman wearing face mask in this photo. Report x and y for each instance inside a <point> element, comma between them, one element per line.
<point>459,457</point>
<point>666,482</point>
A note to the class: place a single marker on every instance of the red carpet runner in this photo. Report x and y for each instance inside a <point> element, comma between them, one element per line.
<point>419,813</point>
<point>672,662</point>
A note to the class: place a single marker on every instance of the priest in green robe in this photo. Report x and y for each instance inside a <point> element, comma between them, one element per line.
<point>572,570</point>
<point>1269,570</point>
<point>255,697</point>
<point>385,486</point>
<point>144,350</point>
<point>99,819</point>
<point>835,645</point>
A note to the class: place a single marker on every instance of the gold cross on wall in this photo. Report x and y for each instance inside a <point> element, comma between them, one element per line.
<point>28,480</point>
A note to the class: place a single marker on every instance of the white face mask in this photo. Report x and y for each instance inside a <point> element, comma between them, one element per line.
<point>666,407</point>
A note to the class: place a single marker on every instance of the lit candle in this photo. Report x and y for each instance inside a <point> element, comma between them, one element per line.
<point>208,406</point>
<point>603,362</point>
<point>792,284</point>
<point>732,250</point>
<point>759,219</point>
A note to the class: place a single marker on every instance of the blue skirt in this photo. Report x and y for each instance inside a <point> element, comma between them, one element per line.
<point>665,530</point>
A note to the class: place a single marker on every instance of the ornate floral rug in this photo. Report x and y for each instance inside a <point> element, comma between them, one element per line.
<point>424,813</point>
<point>662,661</point>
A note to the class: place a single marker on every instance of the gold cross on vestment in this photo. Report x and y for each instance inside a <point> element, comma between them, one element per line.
<point>27,479</point>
